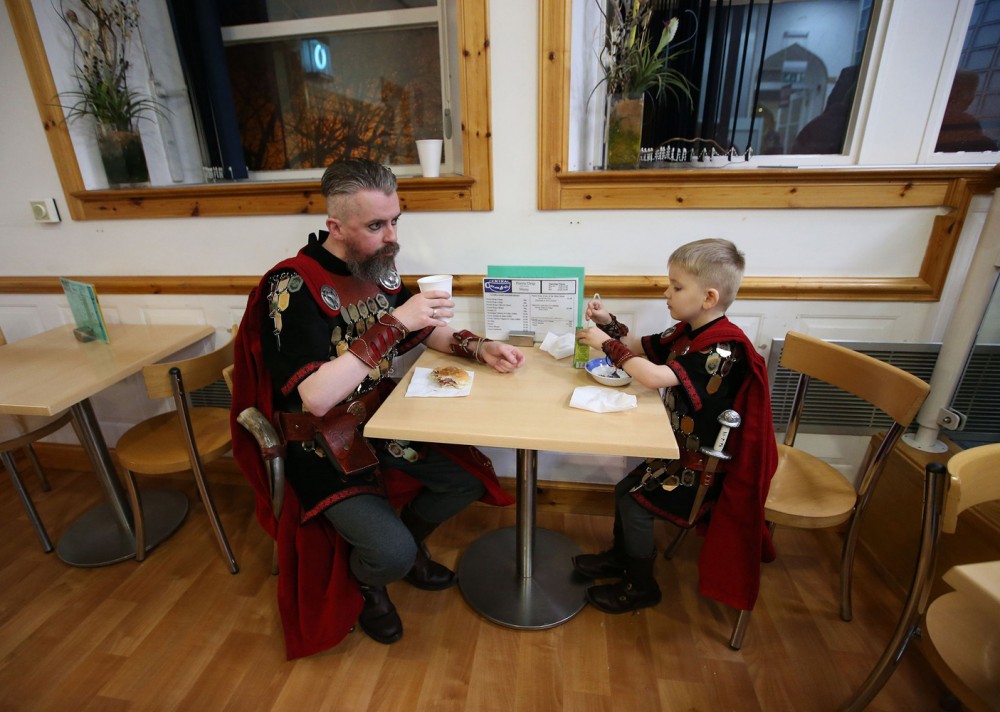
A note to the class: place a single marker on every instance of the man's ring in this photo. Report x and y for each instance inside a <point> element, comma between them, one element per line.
<point>434,313</point>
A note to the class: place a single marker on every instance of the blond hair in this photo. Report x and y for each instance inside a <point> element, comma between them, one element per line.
<point>715,263</point>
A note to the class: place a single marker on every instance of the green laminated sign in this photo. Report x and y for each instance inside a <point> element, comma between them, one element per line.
<point>90,324</point>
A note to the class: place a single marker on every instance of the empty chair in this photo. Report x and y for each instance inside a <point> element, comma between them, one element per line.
<point>183,439</point>
<point>960,632</point>
<point>19,432</point>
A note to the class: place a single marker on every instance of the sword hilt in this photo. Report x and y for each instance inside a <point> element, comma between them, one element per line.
<point>729,419</point>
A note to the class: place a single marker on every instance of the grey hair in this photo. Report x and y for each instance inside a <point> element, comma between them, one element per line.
<point>715,263</point>
<point>354,175</point>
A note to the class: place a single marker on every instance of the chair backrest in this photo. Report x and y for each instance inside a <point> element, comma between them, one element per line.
<point>975,478</point>
<point>196,372</point>
<point>893,391</point>
<point>3,339</point>
<point>227,376</point>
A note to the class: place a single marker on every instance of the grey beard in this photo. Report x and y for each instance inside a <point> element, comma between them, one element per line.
<point>376,267</point>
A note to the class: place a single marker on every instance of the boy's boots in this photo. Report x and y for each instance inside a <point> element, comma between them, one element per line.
<point>607,564</point>
<point>426,573</point>
<point>638,589</point>
<point>379,618</point>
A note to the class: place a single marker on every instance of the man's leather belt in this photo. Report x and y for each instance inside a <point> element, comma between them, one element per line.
<point>338,433</point>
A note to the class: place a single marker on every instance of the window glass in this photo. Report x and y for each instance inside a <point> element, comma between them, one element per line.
<point>971,119</point>
<point>286,86</point>
<point>302,103</point>
<point>766,78</point>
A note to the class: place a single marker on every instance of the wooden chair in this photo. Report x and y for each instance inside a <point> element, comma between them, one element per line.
<point>184,438</point>
<point>19,432</point>
<point>808,493</point>
<point>959,633</point>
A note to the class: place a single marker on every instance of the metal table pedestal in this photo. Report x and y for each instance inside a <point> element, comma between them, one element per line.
<point>497,575</point>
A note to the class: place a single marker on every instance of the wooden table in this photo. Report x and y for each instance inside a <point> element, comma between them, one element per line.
<point>527,410</point>
<point>52,371</point>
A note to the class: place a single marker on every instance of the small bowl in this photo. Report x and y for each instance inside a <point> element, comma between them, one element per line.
<point>606,374</point>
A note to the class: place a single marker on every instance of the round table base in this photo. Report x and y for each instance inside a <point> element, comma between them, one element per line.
<point>487,576</point>
<point>97,539</point>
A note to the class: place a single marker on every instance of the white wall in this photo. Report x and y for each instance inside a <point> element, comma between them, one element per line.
<point>818,242</point>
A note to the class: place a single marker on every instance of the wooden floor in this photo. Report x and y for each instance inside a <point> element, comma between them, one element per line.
<point>178,632</point>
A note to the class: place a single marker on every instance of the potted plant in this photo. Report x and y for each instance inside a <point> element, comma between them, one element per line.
<point>101,31</point>
<point>633,66</point>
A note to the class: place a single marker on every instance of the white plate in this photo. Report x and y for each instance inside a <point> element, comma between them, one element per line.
<point>606,374</point>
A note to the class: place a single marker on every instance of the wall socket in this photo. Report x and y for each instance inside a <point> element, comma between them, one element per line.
<point>45,210</point>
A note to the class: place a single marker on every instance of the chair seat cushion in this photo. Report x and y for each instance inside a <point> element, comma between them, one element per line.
<point>157,446</point>
<point>808,493</point>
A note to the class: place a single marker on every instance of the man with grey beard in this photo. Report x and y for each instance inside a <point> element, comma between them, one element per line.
<point>313,353</point>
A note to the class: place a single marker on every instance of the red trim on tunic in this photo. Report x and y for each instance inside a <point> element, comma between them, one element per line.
<point>299,376</point>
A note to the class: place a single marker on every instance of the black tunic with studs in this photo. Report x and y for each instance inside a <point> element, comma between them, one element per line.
<point>709,381</point>
<point>300,334</point>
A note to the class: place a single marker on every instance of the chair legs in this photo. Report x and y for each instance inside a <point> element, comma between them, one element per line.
<point>138,520</point>
<point>29,506</point>
<point>39,472</point>
<point>213,518</point>
<point>936,482</point>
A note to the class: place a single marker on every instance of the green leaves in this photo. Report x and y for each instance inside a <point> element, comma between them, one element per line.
<point>101,30</point>
<point>631,65</point>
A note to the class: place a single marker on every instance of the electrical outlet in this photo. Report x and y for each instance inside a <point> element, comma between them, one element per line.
<point>45,210</point>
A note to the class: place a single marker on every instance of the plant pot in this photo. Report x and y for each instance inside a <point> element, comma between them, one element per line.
<point>623,137</point>
<point>123,158</point>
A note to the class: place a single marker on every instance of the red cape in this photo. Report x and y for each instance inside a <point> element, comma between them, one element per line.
<point>736,536</point>
<point>318,598</point>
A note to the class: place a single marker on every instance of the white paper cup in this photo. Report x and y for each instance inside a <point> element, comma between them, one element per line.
<point>433,282</point>
<point>429,151</point>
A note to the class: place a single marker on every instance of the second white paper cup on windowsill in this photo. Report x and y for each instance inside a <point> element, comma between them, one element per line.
<point>434,282</point>
<point>429,151</point>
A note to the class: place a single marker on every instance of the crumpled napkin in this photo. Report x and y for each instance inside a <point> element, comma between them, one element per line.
<point>559,346</point>
<point>423,386</point>
<point>602,400</point>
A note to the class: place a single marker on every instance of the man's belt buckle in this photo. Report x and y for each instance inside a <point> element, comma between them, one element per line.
<point>358,410</point>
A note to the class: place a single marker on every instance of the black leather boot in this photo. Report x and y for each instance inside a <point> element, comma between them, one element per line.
<point>426,573</point>
<point>607,564</point>
<point>379,618</point>
<point>637,590</point>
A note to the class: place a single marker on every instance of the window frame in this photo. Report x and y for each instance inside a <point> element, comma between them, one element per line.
<point>472,190</point>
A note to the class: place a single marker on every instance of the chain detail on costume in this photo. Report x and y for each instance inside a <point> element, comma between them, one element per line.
<point>614,328</point>
<point>618,352</point>
<point>462,347</point>
<point>283,285</point>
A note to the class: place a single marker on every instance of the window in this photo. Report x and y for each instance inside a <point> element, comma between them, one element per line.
<point>467,187</point>
<point>767,78</point>
<point>971,121</point>
<point>305,88</point>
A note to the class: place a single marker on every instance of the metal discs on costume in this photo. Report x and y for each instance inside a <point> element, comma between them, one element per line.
<point>391,280</point>
<point>330,297</point>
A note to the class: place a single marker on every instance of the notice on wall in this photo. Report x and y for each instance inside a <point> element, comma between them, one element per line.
<point>535,300</point>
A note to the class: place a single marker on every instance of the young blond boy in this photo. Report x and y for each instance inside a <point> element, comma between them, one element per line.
<point>713,379</point>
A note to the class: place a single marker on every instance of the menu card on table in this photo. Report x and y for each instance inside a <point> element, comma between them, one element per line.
<point>536,300</point>
<point>90,324</point>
